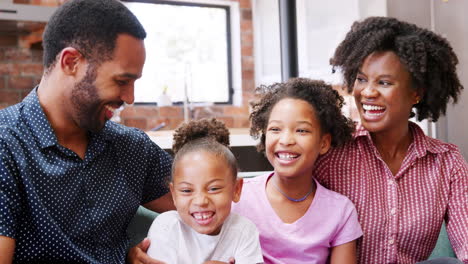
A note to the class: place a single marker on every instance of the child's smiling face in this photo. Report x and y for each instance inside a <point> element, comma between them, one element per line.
<point>293,138</point>
<point>203,189</point>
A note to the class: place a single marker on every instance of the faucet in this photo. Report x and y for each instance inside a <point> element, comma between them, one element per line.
<point>158,127</point>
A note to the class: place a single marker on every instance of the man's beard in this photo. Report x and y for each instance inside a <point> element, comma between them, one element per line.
<point>86,102</point>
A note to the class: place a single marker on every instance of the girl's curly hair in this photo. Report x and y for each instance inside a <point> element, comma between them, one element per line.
<point>326,102</point>
<point>208,135</point>
<point>428,57</point>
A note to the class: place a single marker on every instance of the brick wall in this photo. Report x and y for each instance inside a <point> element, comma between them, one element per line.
<point>40,2</point>
<point>20,69</point>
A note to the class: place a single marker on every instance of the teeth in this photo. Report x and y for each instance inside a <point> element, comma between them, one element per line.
<point>287,156</point>
<point>372,107</point>
<point>202,216</point>
<point>110,108</point>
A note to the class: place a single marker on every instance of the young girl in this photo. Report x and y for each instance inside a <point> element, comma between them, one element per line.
<point>204,184</point>
<point>299,220</point>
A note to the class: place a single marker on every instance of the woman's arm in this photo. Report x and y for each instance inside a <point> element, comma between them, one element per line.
<point>344,254</point>
<point>7,249</point>
<point>457,214</point>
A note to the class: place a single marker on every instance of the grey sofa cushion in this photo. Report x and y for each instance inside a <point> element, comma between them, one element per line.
<point>140,224</point>
<point>443,247</point>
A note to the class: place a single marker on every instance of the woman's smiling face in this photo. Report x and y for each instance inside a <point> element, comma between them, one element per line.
<point>383,92</point>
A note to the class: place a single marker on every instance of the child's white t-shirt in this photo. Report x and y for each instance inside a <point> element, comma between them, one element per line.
<point>174,242</point>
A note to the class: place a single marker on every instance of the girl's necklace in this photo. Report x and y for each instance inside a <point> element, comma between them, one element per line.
<point>289,198</point>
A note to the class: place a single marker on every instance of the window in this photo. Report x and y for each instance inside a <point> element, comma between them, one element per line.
<point>267,42</point>
<point>188,51</point>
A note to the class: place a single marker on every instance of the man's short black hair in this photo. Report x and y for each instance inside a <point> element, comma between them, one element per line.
<point>90,26</point>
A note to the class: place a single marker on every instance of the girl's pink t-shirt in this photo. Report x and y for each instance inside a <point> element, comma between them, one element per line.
<point>331,220</point>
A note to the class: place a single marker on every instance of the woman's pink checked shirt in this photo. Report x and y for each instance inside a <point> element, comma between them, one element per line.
<point>401,215</point>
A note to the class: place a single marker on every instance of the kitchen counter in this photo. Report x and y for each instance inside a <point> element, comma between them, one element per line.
<point>243,147</point>
<point>238,137</point>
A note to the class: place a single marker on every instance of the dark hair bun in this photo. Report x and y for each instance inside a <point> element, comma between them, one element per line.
<point>198,129</point>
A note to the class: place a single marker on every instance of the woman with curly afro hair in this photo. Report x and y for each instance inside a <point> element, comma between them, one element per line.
<point>298,219</point>
<point>403,183</point>
<point>204,184</point>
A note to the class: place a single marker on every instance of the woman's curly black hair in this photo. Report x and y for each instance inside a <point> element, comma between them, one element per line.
<point>428,57</point>
<point>210,135</point>
<point>326,102</point>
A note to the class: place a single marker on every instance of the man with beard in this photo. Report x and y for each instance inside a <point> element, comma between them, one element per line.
<point>70,180</point>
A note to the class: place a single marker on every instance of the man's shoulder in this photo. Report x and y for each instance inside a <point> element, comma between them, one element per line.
<point>10,116</point>
<point>129,139</point>
<point>122,130</point>
<point>129,136</point>
<point>10,121</point>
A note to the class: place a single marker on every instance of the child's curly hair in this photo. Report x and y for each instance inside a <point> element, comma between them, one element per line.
<point>428,57</point>
<point>326,102</point>
<point>208,135</point>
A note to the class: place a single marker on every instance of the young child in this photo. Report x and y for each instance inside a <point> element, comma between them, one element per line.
<point>298,219</point>
<point>204,184</point>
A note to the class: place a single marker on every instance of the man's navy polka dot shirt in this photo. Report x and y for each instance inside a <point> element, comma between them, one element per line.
<point>63,209</point>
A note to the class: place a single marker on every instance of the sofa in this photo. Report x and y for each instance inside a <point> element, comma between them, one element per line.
<point>141,222</point>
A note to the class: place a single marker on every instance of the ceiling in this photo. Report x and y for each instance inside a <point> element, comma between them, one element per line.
<point>22,19</point>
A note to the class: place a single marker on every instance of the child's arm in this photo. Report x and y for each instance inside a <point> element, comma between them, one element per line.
<point>7,248</point>
<point>231,261</point>
<point>344,254</point>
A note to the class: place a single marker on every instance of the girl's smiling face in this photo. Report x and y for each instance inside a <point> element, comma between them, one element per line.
<point>293,138</point>
<point>203,190</point>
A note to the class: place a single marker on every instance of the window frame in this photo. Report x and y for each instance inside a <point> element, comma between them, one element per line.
<point>232,40</point>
